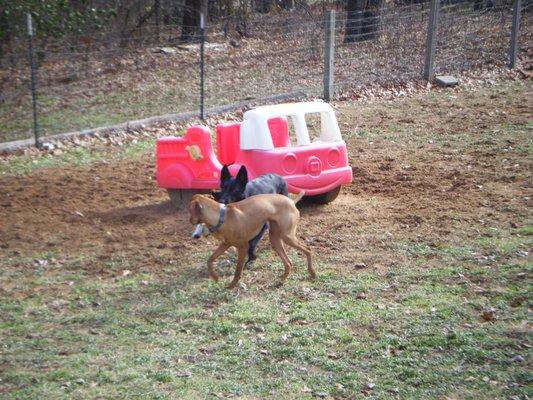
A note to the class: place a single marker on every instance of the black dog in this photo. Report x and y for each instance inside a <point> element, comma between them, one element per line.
<point>238,188</point>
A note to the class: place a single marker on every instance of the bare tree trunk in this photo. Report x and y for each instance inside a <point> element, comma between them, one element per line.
<point>5,34</point>
<point>157,10</point>
<point>124,36</point>
<point>263,6</point>
<point>241,23</point>
<point>370,28</point>
<point>286,4</point>
<point>362,20</point>
<point>191,19</point>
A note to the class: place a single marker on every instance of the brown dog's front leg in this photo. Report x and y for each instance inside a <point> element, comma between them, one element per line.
<point>240,265</point>
<point>211,261</point>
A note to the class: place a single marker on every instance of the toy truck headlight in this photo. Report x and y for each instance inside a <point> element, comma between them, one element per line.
<point>289,163</point>
<point>334,157</point>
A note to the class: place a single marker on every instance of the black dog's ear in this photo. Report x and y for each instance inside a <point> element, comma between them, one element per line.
<point>225,175</point>
<point>242,176</point>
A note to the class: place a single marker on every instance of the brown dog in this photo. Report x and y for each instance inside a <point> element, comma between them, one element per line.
<point>237,223</point>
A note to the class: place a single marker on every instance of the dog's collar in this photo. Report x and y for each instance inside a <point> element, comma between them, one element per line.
<point>221,219</point>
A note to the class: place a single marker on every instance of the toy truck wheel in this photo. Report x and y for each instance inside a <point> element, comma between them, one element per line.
<point>180,198</point>
<point>324,198</point>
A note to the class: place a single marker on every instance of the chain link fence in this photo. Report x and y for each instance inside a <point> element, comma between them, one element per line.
<point>396,55</point>
<point>103,79</point>
<point>282,55</point>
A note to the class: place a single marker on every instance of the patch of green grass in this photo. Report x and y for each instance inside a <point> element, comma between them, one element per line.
<point>138,335</point>
<point>77,156</point>
<point>93,109</point>
<point>504,246</point>
<point>526,230</point>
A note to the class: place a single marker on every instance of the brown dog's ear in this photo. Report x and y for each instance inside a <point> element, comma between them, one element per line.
<point>199,207</point>
<point>195,208</point>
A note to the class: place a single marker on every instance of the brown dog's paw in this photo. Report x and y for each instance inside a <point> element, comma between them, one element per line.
<point>232,285</point>
<point>237,285</point>
<point>312,274</point>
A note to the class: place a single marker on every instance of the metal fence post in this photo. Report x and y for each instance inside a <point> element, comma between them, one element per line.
<point>36,127</point>
<point>202,78</point>
<point>515,32</point>
<point>329,55</point>
<point>431,41</point>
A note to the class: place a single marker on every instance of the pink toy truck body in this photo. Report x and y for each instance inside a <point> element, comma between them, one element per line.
<point>176,169</point>
<point>262,142</point>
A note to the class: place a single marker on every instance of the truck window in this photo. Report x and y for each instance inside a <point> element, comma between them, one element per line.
<point>292,132</point>
<point>313,126</point>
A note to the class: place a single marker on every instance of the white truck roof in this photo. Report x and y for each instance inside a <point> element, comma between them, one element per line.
<point>255,133</point>
<point>285,109</point>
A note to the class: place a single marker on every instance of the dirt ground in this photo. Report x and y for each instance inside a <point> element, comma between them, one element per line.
<point>424,168</point>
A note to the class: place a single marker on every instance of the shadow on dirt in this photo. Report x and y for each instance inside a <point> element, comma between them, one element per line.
<point>144,214</point>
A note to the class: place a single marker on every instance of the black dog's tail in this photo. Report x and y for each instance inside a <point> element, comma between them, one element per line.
<point>284,188</point>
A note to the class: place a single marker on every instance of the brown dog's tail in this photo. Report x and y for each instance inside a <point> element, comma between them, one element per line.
<point>298,197</point>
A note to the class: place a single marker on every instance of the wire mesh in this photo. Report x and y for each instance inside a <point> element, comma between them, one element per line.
<point>468,38</point>
<point>100,83</point>
<point>109,77</point>
<point>276,56</point>
<point>396,54</point>
<point>525,37</point>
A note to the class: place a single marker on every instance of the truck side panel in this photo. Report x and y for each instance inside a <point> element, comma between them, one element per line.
<point>187,162</point>
<point>315,169</point>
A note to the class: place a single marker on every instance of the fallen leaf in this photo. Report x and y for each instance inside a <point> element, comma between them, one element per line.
<point>488,315</point>
<point>517,301</point>
<point>58,303</point>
